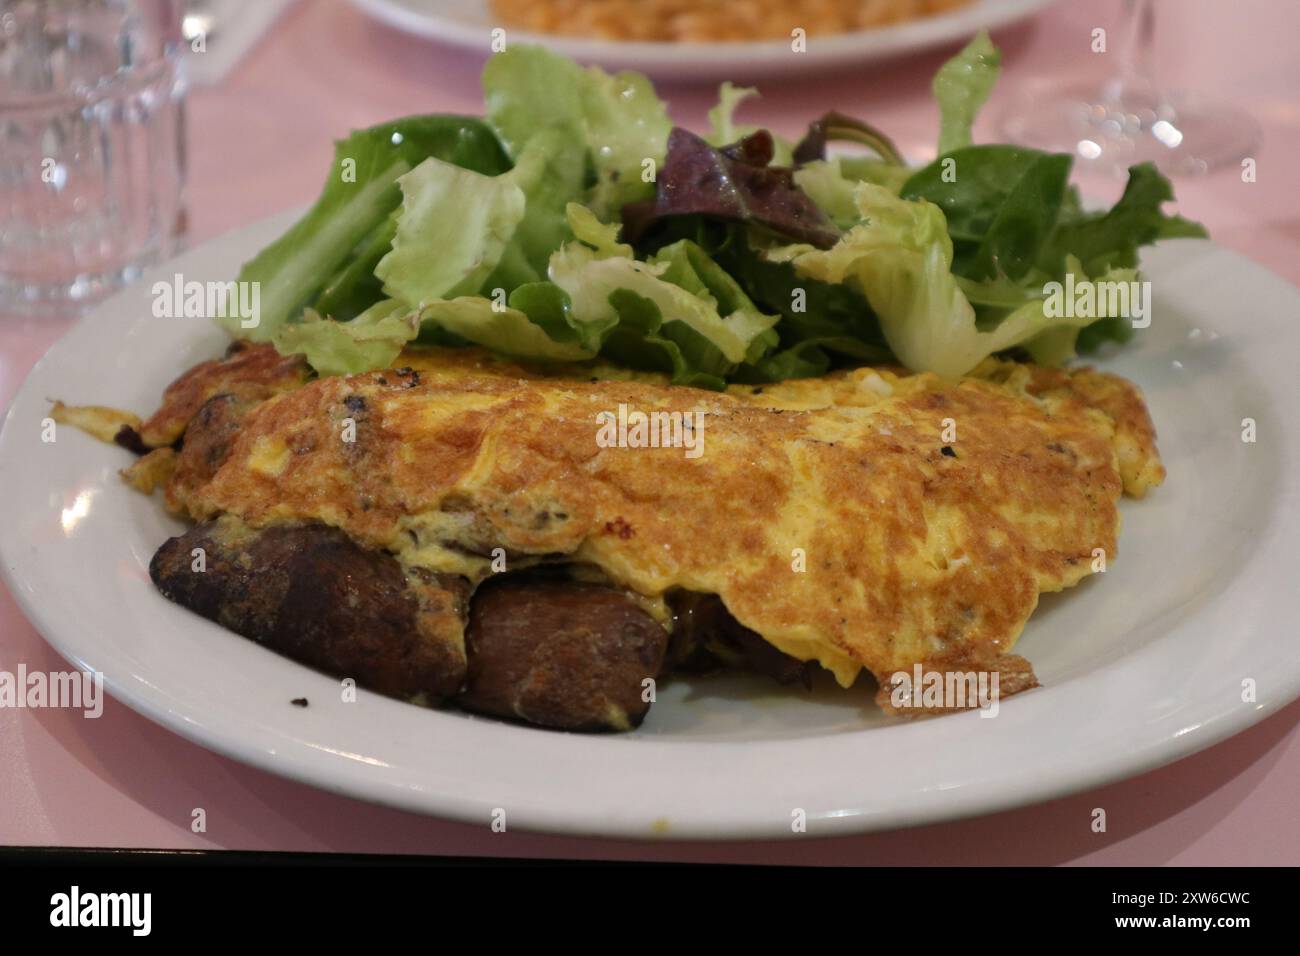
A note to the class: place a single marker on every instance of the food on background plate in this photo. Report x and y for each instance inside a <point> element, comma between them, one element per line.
<point>543,408</point>
<point>708,21</point>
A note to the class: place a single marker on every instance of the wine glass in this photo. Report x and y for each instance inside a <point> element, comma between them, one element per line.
<point>1130,118</point>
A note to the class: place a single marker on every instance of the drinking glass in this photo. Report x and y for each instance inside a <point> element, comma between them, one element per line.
<point>92,155</point>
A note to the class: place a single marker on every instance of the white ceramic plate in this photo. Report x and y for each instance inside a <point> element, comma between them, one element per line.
<point>1140,665</point>
<point>469,24</point>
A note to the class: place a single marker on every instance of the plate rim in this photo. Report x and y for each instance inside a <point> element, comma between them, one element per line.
<point>671,60</point>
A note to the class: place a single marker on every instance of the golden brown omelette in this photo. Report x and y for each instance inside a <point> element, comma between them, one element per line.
<point>872,519</point>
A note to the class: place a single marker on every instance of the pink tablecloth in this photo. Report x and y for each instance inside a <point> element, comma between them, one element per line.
<point>260,143</point>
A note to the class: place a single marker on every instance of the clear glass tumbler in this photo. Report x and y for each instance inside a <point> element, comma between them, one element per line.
<point>92,147</point>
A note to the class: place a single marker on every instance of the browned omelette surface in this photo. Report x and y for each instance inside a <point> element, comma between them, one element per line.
<point>249,373</point>
<point>825,513</point>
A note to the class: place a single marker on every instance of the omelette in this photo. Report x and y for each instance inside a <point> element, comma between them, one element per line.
<point>870,520</point>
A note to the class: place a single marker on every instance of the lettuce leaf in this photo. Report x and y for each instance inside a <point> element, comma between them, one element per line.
<point>643,339</point>
<point>454,228</point>
<point>862,169</point>
<point>678,312</point>
<point>1001,207</point>
<point>814,315</point>
<point>550,176</point>
<point>960,88</point>
<point>827,185</point>
<point>460,233</point>
<point>691,268</point>
<point>722,116</point>
<point>508,330</point>
<point>901,259</point>
<point>1109,240</point>
<point>601,237</point>
<point>832,180</point>
<point>618,120</point>
<point>626,124</point>
<point>354,287</point>
<point>371,340</point>
<point>683,284</point>
<point>726,130</point>
<point>360,193</point>
<point>736,183</point>
<point>527,89</point>
<point>589,281</point>
<point>1016,223</point>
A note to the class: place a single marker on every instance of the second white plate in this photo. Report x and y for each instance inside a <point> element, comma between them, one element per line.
<point>469,24</point>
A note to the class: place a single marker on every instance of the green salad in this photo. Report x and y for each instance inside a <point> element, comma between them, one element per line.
<point>575,222</point>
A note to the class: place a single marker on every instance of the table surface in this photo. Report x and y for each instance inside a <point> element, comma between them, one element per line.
<point>259,143</point>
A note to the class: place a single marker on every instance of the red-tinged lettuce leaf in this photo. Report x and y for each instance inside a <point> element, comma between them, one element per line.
<point>835,126</point>
<point>734,184</point>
